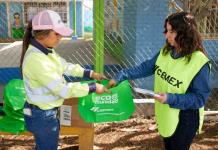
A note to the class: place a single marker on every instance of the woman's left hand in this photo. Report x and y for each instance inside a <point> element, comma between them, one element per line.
<point>98,76</point>
<point>162,98</point>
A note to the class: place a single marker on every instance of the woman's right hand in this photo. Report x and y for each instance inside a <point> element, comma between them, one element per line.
<point>100,89</point>
<point>112,83</point>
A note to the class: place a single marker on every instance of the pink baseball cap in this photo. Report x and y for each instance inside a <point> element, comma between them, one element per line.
<point>48,19</point>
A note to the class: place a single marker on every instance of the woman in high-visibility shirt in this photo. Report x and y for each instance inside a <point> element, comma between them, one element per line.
<point>43,71</point>
<point>181,77</point>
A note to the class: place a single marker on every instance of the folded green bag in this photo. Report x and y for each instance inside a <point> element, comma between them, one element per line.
<point>16,114</point>
<point>11,125</point>
<point>107,107</point>
<point>14,94</point>
<point>14,99</point>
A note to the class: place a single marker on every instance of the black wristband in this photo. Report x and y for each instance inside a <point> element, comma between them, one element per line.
<point>92,87</point>
<point>87,73</point>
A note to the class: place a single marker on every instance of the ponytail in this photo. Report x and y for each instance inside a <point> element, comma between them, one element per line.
<point>26,41</point>
<point>29,33</point>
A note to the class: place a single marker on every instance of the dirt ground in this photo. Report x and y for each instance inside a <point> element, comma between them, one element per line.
<point>132,134</point>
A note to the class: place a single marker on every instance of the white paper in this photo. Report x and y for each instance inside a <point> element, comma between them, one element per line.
<point>27,111</point>
<point>65,115</point>
<point>143,101</point>
<point>146,92</point>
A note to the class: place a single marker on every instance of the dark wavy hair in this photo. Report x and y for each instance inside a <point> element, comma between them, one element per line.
<point>188,38</point>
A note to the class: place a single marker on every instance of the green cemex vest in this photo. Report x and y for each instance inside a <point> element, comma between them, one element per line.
<point>174,76</point>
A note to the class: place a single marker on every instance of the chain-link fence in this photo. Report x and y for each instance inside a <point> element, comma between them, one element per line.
<point>133,32</point>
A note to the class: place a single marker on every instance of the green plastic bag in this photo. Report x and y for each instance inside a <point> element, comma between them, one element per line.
<point>16,114</point>
<point>14,94</point>
<point>107,107</point>
<point>14,100</point>
<point>11,125</point>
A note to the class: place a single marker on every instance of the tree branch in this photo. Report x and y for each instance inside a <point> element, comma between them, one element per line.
<point>185,5</point>
<point>196,7</point>
<point>205,10</point>
<point>173,4</point>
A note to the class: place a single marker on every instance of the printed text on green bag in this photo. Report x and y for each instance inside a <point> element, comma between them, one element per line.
<point>106,99</point>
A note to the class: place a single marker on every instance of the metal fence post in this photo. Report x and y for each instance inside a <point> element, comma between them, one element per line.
<point>99,35</point>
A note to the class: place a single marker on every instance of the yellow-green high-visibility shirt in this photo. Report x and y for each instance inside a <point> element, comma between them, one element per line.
<point>43,78</point>
<point>174,76</point>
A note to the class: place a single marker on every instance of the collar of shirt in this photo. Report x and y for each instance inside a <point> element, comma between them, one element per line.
<point>175,55</point>
<point>39,46</point>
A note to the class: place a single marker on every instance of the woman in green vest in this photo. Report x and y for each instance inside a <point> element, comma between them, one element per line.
<point>181,79</point>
